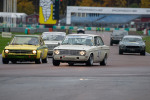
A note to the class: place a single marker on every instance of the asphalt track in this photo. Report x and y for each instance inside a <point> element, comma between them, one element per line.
<point>126,77</point>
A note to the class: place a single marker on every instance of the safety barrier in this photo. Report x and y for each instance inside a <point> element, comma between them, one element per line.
<point>94,28</point>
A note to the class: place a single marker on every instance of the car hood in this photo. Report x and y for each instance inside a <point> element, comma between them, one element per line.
<point>22,47</point>
<point>74,47</point>
<point>133,43</point>
<point>52,42</point>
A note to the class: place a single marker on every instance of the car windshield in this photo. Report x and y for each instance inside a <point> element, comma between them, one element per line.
<point>53,37</point>
<point>132,40</point>
<point>78,40</point>
<point>121,33</point>
<point>25,41</point>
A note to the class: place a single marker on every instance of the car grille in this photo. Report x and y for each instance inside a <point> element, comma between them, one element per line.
<point>133,47</point>
<point>69,52</point>
<point>50,46</point>
<point>21,51</point>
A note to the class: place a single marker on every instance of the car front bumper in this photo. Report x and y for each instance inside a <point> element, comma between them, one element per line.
<point>69,58</point>
<point>20,57</point>
<point>132,50</point>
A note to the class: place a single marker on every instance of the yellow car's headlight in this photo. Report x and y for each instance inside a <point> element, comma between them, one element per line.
<point>57,52</point>
<point>82,53</point>
<point>6,51</point>
<point>34,51</point>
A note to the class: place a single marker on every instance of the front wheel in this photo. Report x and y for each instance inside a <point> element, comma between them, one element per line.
<point>111,43</point>
<point>56,62</point>
<point>104,62</point>
<point>5,61</point>
<point>142,53</point>
<point>45,60</point>
<point>38,61</point>
<point>120,52</point>
<point>90,61</point>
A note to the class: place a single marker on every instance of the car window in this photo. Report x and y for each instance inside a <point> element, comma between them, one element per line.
<point>78,40</point>
<point>53,37</point>
<point>25,41</point>
<point>132,40</point>
<point>98,41</point>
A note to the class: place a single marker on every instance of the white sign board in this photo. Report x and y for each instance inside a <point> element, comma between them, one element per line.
<point>6,34</point>
<point>105,10</point>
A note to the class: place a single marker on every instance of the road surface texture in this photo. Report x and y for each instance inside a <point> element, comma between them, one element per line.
<point>126,77</point>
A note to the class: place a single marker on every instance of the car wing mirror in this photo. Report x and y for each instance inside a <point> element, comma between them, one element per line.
<point>58,43</point>
<point>8,43</point>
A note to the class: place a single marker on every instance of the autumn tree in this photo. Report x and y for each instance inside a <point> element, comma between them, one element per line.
<point>25,6</point>
<point>145,3</point>
<point>109,3</point>
<point>120,3</point>
<point>89,3</point>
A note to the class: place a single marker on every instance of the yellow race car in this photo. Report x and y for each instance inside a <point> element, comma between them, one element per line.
<point>25,48</point>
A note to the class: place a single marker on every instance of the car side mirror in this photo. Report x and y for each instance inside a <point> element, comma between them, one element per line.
<point>58,43</point>
<point>8,43</point>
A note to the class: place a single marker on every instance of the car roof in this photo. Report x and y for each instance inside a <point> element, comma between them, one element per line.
<point>27,35</point>
<point>84,35</point>
<point>132,36</point>
<point>121,30</point>
<point>53,33</point>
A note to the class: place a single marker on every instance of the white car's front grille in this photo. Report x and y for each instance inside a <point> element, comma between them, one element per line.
<point>69,52</point>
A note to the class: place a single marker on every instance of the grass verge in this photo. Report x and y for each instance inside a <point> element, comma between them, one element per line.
<point>147,39</point>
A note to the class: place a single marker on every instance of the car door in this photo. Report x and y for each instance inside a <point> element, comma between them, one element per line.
<point>96,50</point>
<point>100,49</point>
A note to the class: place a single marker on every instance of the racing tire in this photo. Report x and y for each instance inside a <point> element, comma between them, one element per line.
<point>142,53</point>
<point>111,43</point>
<point>38,61</point>
<point>45,60</point>
<point>90,61</point>
<point>56,62</point>
<point>5,61</point>
<point>104,62</point>
<point>120,52</point>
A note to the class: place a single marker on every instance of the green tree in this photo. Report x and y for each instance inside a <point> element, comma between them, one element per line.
<point>25,6</point>
<point>134,5</point>
<point>145,3</point>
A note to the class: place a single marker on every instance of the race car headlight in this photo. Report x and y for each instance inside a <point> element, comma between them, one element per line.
<point>6,51</point>
<point>82,53</point>
<point>122,46</point>
<point>57,52</point>
<point>34,51</point>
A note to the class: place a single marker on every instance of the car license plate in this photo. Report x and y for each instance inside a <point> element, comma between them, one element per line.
<point>68,58</point>
<point>132,49</point>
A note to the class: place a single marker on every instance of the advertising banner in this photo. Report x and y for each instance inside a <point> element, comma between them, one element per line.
<point>46,12</point>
